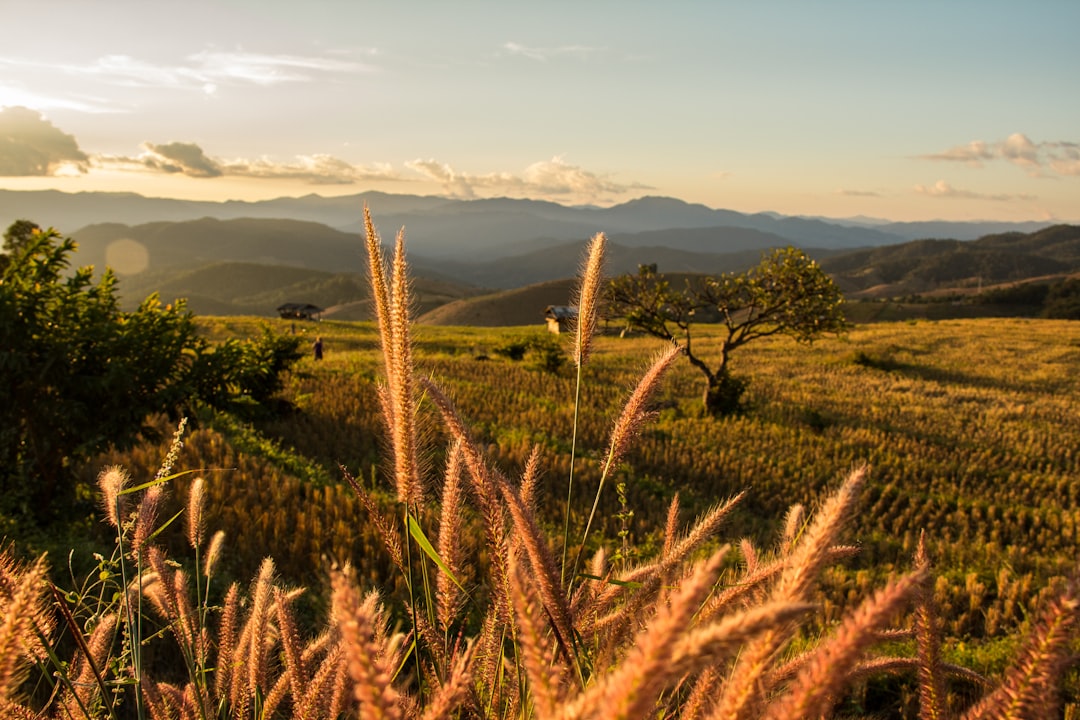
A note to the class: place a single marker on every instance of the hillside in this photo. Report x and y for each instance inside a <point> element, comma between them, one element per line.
<point>524,306</point>
<point>197,242</point>
<point>228,288</point>
<point>928,266</point>
<point>555,261</point>
<point>250,266</point>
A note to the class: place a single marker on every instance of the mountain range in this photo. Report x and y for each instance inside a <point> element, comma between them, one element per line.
<point>449,228</point>
<point>248,257</point>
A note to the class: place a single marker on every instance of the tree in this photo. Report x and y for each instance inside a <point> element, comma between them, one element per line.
<point>77,373</point>
<point>786,294</point>
<point>1063,300</point>
<point>17,238</point>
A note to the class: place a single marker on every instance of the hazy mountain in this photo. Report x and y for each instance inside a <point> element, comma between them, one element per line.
<point>957,230</point>
<point>499,227</point>
<point>563,260</point>
<point>310,245</point>
<point>193,243</point>
<point>69,212</point>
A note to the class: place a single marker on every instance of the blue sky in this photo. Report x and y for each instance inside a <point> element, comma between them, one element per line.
<point>901,110</point>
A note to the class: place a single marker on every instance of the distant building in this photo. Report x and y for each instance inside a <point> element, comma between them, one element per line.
<point>559,317</point>
<point>299,311</point>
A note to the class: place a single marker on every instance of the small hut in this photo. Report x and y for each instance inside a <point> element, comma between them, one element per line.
<point>299,311</point>
<point>559,317</point>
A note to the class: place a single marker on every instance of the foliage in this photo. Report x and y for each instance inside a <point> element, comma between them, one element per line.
<point>514,349</point>
<point>19,235</point>
<point>80,373</point>
<point>1030,293</point>
<point>547,352</point>
<point>1063,300</point>
<point>786,294</point>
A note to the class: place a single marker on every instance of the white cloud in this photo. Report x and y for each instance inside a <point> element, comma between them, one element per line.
<point>942,189</point>
<point>263,69</point>
<point>13,96</point>
<point>1064,157</point>
<point>205,71</point>
<point>314,169</point>
<point>543,54</point>
<point>189,159</point>
<point>974,153</point>
<point>30,145</point>
<point>546,178</point>
<point>857,193</point>
<point>1059,157</point>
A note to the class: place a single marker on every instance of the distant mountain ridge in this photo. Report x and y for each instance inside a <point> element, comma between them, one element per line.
<point>302,244</point>
<point>449,228</point>
<point>249,257</point>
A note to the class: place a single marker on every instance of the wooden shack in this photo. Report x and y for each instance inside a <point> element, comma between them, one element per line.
<point>299,311</point>
<point>560,317</point>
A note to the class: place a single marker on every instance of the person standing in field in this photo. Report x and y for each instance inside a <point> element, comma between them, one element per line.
<point>317,347</point>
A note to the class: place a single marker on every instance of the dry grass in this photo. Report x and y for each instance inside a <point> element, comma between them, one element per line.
<point>699,631</point>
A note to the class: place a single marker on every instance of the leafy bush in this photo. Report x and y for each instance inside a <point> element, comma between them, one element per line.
<point>81,374</point>
<point>547,352</point>
<point>513,349</point>
<point>1063,301</point>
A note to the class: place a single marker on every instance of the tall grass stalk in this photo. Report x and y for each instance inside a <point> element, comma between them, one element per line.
<point>629,423</point>
<point>588,302</point>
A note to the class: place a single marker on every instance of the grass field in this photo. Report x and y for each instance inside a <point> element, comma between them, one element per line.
<point>969,427</point>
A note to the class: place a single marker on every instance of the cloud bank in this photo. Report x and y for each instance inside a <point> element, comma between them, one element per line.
<point>1038,159</point>
<point>942,189</point>
<point>190,160</point>
<point>552,177</point>
<point>30,145</point>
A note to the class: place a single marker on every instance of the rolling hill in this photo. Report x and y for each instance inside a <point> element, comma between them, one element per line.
<point>537,278</point>
<point>230,288</point>
<point>924,266</point>
<point>523,306</point>
<point>301,244</point>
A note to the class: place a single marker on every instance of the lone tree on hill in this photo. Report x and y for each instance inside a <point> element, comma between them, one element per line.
<point>786,294</point>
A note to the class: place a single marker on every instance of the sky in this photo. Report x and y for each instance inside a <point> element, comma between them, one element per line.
<point>949,109</point>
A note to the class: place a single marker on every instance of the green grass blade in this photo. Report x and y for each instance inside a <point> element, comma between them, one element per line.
<point>418,535</point>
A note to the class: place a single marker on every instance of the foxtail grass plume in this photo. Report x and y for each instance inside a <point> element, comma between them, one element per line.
<point>636,411</point>
<point>825,676</point>
<point>111,482</point>
<point>213,553</point>
<point>23,614</point>
<point>196,523</point>
<point>588,298</point>
<point>391,301</point>
<point>633,416</point>
<point>366,654</point>
<point>146,517</point>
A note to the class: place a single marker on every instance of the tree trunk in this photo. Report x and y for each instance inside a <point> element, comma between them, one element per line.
<point>723,393</point>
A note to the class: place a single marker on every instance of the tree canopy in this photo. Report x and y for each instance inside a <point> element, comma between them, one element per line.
<point>786,294</point>
<point>78,373</point>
